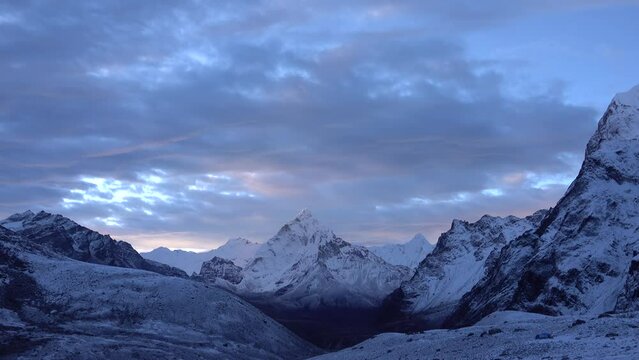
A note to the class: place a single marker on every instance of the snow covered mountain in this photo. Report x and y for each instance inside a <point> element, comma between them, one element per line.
<point>456,264</point>
<point>409,254</point>
<point>582,259</point>
<point>239,250</point>
<point>77,242</point>
<point>323,288</point>
<point>52,306</point>
<point>307,265</point>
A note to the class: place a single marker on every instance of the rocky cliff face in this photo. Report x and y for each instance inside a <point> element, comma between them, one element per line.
<point>219,268</point>
<point>78,242</point>
<point>580,259</point>
<point>628,300</point>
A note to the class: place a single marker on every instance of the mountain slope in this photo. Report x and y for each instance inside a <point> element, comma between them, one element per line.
<point>53,305</point>
<point>409,254</point>
<point>508,335</point>
<point>580,259</point>
<point>239,250</point>
<point>78,242</point>
<point>457,263</point>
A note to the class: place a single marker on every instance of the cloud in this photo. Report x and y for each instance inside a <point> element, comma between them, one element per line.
<point>144,118</point>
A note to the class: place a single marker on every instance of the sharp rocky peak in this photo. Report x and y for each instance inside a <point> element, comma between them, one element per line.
<point>613,150</point>
<point>304,225</point>
<point>304,215</point>
<point>418,238</point>
<point>28,219</point>
<point>21,216</point>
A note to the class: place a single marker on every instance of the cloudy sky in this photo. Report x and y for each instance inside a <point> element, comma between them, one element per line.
<point>184,123</point>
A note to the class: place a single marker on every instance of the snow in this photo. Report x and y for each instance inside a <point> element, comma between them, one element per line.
<point>509,335</point>
<point>502,317</point>
<point>409,254</point>
<point>630,97</point>
<point>239,250</point>
<point>16,222</point>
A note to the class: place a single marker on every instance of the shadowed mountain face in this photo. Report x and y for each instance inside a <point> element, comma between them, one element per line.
<point>67,238</point>
<point>456,264</point>
<point>582,258</point>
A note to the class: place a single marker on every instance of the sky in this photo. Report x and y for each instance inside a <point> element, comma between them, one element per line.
<point>185,123</point>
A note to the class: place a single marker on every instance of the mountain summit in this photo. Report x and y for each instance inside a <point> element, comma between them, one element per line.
<point>306,264</point>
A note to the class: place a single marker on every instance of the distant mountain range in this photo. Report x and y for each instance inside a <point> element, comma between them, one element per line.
<point>237,250</point>
<point>242,251</point>
<point>409,254</point>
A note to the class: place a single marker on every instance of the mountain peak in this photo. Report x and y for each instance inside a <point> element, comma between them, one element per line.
<point>21,216</point>
<point>27,213</point>
<point>304,215</point>
<point>161,249</point>
<point>613,150</point>
<point>629,98</point>
<point>418,238</point>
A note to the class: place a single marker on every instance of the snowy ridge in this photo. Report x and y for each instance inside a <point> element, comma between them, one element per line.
<point>68,238</point>
<point>457,263</point>
<point>239,250</point>
<point>628,98</point>
<point>409,254</point>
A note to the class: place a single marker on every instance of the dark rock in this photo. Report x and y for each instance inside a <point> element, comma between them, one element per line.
<point>577,322</point>
<point>219,268</point>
